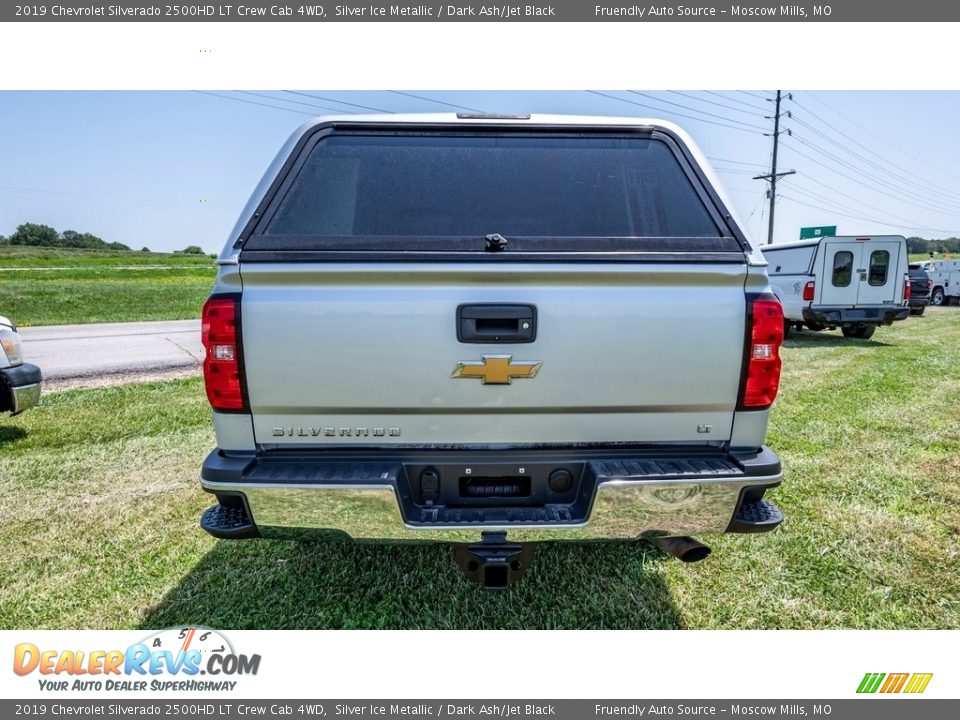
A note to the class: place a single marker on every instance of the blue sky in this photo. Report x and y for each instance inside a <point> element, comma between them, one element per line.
<point>170,169</point>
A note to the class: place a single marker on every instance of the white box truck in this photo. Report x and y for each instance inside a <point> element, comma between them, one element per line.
<point>945,279</point>
<point>852,283</point>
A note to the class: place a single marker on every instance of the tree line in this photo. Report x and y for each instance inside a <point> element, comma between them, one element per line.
<point>37,235</point>
<point>924,246</point>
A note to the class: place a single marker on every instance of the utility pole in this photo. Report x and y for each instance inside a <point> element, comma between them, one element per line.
<point>774,175</point>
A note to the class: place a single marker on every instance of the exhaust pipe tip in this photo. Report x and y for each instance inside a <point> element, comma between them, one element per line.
<point>685,549</point>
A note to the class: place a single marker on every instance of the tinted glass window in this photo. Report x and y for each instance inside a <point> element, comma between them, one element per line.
<point>842,268</point>
<point>431,186</point>
<point>879,264</point>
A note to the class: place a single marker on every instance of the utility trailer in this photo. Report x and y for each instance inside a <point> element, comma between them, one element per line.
<point>945,279</point>
<point>854,283</point>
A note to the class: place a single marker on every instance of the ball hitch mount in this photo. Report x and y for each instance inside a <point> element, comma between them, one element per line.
<point>494,562</point>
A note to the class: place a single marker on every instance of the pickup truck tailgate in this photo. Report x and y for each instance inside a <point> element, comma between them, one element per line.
<point>341,354</point>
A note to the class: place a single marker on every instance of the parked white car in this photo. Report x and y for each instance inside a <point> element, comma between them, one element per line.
<point>19,381</point>
<point>852,283</point>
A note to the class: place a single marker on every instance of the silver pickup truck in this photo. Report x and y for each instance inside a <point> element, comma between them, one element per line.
<point>491,330</point>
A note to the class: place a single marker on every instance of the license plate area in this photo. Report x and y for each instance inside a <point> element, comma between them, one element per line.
<point>534,484</point>
<point>517,486</point>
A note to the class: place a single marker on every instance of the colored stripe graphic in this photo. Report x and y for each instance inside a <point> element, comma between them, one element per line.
<point>894,683</point>
<point>870,682</point>
<point>918,682</point>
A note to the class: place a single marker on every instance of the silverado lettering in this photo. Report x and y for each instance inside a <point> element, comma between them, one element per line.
<point>334,432</point>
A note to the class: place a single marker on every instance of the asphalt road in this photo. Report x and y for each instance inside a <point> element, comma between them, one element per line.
<point>72,352</point>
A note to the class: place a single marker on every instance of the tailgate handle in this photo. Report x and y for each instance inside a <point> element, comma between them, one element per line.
<point>496,323</point>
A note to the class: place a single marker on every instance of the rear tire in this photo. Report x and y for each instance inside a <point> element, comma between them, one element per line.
<point>815,326</point>
<point>937,297</point>
<point>850,332</point>
<point>786,329</point>
<point>918,310</point>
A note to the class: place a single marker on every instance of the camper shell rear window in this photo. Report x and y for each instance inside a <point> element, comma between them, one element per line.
<point>842,268</point>
<point>879,264</point>
<point>437,191</point>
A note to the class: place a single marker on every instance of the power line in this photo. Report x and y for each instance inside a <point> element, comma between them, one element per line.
<point>734,171</point>
<point>437,102</point>
<point>755,108</point>
<point>752,111</point>
<point>296,102</point>
<point>903,222</point>
<point>944,196</point>
<point>915,198</point>
<point>882,139</point>
<point>651,107</point>
<point>746,191</point>
<point>702,112</point>
<point>755,207</point>
<point>851,197</point>
<point>339,102</point>
<point>859,180</point>
<point>880,215</point>
<point>735,162</point>
<point>866,219</point>
<point>866,178</point>
<point>900,170</point>
<point>252,102</point>
<point>752,94</point>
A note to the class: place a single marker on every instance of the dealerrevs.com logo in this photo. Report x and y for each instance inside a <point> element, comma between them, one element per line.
<point>180,659</point>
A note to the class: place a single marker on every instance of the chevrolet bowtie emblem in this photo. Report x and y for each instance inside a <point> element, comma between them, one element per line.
<point>496,369</point>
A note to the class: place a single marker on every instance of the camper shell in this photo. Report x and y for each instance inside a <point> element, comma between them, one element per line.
<point>854,283</point>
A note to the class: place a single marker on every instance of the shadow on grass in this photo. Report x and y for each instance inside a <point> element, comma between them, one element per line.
<point>270,584</point>
<point>10,433</point>
<point>802,338</point>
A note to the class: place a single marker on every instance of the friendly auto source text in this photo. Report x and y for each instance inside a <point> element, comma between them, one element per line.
<point>687,11</point>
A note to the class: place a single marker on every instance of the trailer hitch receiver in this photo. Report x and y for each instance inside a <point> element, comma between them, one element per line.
<point>493,562</point>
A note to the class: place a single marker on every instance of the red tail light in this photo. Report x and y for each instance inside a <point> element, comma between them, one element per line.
<point>906,289</point>
<point>765,335</point>
<point>808,291</point>
<point>929,284</point>
<point>221,365</point>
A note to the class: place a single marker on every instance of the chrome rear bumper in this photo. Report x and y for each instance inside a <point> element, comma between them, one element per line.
<point>616,505</point>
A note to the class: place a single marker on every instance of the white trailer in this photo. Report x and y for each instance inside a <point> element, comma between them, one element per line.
<point>945,279</point>
<point>854,283</point>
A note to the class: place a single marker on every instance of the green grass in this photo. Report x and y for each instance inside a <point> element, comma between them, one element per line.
<point>99,505</point>
<point>52,286</point>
